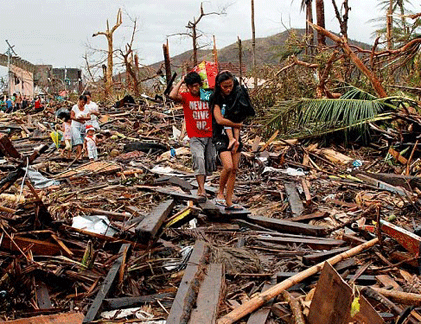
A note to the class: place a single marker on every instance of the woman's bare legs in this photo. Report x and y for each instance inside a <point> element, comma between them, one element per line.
<point>230,163</point>
<point>226,160</point>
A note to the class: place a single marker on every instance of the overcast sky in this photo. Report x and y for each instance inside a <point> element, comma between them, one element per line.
<point>55,32</point>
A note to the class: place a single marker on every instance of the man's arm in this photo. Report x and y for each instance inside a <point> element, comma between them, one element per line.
<point>174,94</point>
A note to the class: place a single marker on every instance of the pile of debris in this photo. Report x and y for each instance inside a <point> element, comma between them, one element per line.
<point>126,239</point>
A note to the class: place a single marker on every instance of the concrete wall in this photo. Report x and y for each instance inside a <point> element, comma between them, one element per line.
<point>26,81</point>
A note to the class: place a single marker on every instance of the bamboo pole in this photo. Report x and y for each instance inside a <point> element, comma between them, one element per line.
<point>400,297</point>
<point>267,295</point>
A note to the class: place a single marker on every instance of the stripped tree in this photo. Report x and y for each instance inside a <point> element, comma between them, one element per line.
<point>194,33</point>
<point>109,35</point>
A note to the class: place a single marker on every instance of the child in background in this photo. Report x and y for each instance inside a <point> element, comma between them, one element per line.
<point>67,134</point>
<point>90,143</point>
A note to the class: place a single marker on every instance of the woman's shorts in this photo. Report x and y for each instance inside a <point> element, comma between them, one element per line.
<point>221,144</point>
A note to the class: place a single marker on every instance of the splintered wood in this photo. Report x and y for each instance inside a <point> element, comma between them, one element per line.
<point>126,238</point>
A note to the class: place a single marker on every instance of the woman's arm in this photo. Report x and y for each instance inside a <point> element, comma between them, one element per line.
<point>223,121</point>
<point>81,119</point>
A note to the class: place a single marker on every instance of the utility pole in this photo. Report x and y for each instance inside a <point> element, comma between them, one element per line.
<point>9,62</point>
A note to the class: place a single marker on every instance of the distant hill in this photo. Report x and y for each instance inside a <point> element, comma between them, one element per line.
<point>268,50</point>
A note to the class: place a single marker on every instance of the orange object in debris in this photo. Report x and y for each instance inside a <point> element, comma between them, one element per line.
<point>74,318</point>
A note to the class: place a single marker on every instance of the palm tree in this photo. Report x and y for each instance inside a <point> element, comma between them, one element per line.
<point>320,16</point>
<point>354,110</point>
<point>396,29</point>
<point>307,5</point>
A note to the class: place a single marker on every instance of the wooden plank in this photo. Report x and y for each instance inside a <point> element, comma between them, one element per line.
<point>187,290</point>
<point>36,246</point>
<point>210,296</point>
<point>42,296</point>
<point>7,148</point>
<point>398,180</point>
<point>308,217</point>
<point>64,318</point>
<point>287,226</point>
<point>295,203</point>
<point>331,303</point>
<point>260,316</point>
<point>150,225</point>
<point>345,264</point>
<point>183,184</point>
<point>306,190</point>
<point>388,282</point>
<point>124,302</point>
<point>177,194</point>
<point>96,305</point>
<point>319,257</point>
<point>319,244</point>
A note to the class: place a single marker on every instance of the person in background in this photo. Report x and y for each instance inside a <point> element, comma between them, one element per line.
<point>67,135</point>
<point>198,118</point>
<point>90,143</point>
<point>93,108</point>
<point>79,115</point>
<point>9,105</point>
<point>37,104</point>
<point>18,102</point>
<point>2,103</point>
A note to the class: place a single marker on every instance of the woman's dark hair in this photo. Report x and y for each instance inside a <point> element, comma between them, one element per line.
<point>192,78</point>
<point>86,93</point>
<point>221,77</point>
<point>83,98</point>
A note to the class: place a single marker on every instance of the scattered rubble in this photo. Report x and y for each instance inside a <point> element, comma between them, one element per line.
<point>125,238</point>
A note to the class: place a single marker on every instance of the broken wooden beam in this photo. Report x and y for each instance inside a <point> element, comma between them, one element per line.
<point>317,244</point>
<point>319,257</point>
<point>42,296</point>
<point>187,291</point>
<point>148,228</point>
<point>295,203</point>
<point>210,295</point>
<point>7,148</point>
<point>74,318</point>
<point>125,302</point>
<point>96,305</point>
<point>287,226</point>
<point>308,217</point>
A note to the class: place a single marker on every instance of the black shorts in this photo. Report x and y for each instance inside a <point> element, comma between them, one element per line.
<point>221,144</point>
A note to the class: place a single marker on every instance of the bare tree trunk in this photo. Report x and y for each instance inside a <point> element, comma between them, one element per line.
<point>240,58</point>
<point>194,37</point>
<point>309,30</point>
<point>215,51</point>
<point>253,43</point>
<point>167,62</point>
<point>109,35</point>
<point>320,14</point>
<point>389,25</point>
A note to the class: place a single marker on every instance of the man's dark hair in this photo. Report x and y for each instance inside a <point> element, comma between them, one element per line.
<point>86,93</point>
<point>192,78</point>
<point>83,98</point>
